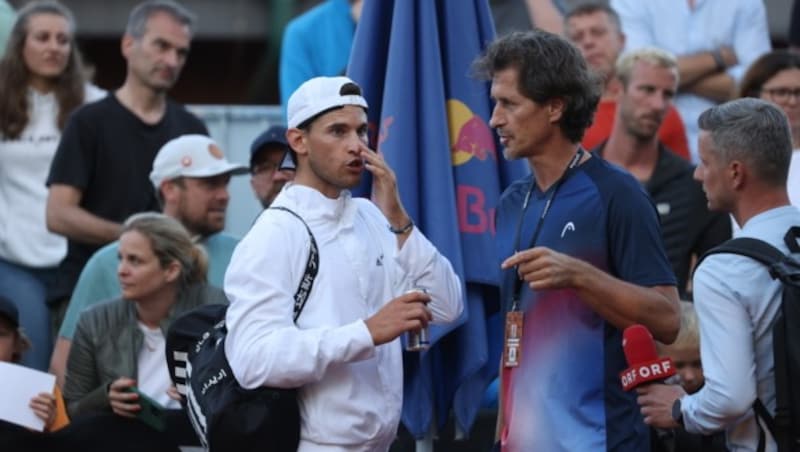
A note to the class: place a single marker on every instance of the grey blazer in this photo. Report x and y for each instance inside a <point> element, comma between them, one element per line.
<point>106,346</point>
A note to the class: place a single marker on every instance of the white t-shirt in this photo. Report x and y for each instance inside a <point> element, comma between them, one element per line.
<point>24,166</point>
<point>153,375</point>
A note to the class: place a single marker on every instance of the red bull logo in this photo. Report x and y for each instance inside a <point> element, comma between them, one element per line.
<point>469,135</point>
<point>379,135</point>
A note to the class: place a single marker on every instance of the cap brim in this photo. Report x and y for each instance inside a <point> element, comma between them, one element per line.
<point>233,169</point>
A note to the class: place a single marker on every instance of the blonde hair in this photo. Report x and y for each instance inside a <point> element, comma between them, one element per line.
<point>171,243</point>
<point>651,55</point>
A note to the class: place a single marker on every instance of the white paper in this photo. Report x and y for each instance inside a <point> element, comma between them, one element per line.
<point>18,385</point>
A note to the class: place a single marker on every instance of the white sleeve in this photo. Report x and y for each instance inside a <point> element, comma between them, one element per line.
<point>636,23</point>
<point>263,346</point>
<point>726,346</point>
<point>750,38</point>
<point>419,265</point>
<point>423,266</point>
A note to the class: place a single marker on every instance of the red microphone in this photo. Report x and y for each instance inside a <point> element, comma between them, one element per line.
<point>645,365</point>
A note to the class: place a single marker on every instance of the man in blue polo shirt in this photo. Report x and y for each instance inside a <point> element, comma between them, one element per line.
<point>580,246</point>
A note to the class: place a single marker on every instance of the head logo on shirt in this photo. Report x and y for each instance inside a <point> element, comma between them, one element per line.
<point>570,226</point>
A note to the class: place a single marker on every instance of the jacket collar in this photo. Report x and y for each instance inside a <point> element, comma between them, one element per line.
<point>318,210</point>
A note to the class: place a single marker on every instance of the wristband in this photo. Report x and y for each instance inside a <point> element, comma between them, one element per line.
<point>717,55</point>
<point>402,230</point>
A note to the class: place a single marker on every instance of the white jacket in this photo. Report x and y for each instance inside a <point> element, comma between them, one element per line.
<point>351,394</point>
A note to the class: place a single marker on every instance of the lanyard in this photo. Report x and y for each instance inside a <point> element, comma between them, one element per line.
<point>567,171</point>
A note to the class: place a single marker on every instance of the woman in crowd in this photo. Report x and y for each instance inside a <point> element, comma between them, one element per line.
<point>41,82</point>
<point>120,344</point>
<point>775,77</point>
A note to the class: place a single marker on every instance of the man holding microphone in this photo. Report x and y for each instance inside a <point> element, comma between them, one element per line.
<point>745,149</point>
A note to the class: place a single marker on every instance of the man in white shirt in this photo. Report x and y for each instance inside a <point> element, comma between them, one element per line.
<point>715,41</point>
<point>344,352</point>
<point>745,147</point>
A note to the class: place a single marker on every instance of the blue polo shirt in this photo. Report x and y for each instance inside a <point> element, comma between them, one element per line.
<point>566,394</point>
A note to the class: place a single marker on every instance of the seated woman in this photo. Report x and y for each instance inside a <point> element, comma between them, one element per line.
<point>120,343</point>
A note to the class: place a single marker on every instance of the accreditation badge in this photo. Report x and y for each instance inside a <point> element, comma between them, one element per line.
<point>513,339</point>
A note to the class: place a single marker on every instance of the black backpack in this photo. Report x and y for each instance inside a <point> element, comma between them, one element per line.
<point>225,415</point>
<point>785,425</point>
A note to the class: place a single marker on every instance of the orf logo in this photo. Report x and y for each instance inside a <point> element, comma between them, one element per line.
<point>469,135</point>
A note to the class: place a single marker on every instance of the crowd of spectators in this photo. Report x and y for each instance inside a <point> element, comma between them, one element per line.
<point>91,275</point>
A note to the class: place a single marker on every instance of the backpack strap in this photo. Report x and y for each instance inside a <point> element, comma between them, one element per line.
<point>749,247</point>
<point>763,413</point>
<point>791,237</point>
<point>312,267</point>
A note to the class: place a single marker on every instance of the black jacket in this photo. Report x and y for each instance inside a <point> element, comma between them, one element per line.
<point>687,226</point>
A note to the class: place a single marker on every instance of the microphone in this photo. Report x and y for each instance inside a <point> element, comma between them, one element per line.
<point>644,364</point>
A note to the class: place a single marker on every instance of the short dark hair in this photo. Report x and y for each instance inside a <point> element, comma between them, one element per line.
<point>137,21</point>
<point>764,68</point>
<point>753,131</point>
<point>549,67</point>
<point>584,9</point>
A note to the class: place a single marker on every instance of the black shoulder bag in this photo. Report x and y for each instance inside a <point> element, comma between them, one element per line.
<point>225,415</point>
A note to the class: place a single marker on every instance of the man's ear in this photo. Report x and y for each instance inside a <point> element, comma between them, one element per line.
<point>297,141</point>
<point>169,190</point>
<point>737,174</point>
<point>126,44</point>
<point>555,109</point>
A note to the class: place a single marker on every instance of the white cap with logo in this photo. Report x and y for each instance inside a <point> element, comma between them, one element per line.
<point>191,156</point>
<point>317,95</point>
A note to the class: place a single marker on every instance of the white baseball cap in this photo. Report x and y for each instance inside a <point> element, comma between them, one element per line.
<point>317,95</point>
<point>191,156</point>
